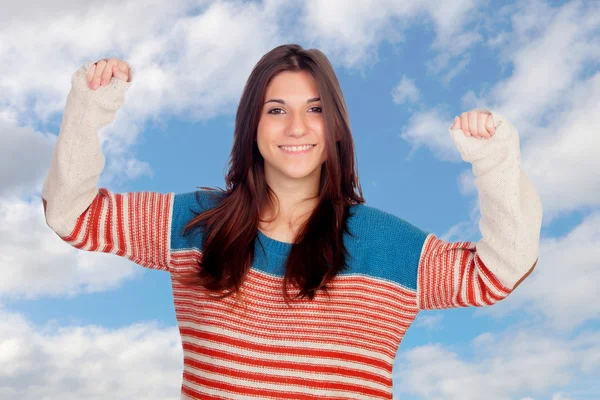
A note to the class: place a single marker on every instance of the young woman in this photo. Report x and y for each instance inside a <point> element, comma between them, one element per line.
<point>324,287</point>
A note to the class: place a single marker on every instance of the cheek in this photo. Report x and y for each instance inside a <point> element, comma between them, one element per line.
<point>320,130</point>
<point>262,146</point>
<point>265,143</point>
<point>324,153</point>
<point>265,132</point>
<point>262,135</point>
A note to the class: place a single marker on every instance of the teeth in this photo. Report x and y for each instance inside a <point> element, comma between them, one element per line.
<point>297,148</point>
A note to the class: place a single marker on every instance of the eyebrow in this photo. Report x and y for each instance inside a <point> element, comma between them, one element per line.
<point>283,102</point>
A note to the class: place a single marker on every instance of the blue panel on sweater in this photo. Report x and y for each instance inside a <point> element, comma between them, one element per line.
<point>384,245</point>
<point>185,207</point>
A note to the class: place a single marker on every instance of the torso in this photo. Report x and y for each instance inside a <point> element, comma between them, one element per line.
<point>337,346</point>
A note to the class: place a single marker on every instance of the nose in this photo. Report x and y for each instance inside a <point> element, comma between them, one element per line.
<point>297,126</point>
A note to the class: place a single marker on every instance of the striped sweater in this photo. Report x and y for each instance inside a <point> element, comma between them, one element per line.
<point>337,347</point>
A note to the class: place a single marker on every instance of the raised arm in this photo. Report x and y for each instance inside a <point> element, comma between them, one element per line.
<point>132,225</point>
<point>461,274</point>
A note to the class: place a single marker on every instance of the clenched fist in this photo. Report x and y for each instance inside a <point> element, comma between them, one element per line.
<point>478,124</point>
<point>102,71</point>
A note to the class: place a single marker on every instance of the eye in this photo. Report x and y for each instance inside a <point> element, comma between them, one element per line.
<point>273,109</point>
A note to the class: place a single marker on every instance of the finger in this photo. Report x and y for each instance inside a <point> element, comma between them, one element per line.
<point>90,74</point>
<point>117,73</point>
<point>489,124</point>
<point>108,72</point>
<point>472,117</point>
<point>464,124</point>
<point>481,117</point>
<point>98,73</point>
<point>124,68</point>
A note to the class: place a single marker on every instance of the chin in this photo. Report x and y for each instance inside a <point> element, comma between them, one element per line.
<point>298,175</point>
<point>289,170</point>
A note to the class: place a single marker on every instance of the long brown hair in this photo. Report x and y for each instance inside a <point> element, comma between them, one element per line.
<point>230,228</point>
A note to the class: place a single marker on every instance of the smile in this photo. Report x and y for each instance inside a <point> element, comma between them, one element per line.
<point>297,149</point>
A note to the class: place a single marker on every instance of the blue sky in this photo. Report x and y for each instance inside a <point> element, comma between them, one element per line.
<point>405,72</point>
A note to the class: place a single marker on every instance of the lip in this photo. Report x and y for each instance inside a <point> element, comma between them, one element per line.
<point>296,152</point>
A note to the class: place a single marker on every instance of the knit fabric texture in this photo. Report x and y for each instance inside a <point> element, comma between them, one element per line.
<point>340,346</point>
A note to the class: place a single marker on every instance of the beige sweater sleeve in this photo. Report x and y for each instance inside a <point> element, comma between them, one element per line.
<point>77,159</point>
<point>461,274</point>
<point>511,208</point>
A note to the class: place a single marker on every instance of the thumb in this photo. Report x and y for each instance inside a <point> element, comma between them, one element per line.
<point>117,73</point>
<point>455,123</point>
<point>489,124</point>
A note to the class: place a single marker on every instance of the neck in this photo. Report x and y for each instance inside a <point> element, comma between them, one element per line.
<point>294,202</point>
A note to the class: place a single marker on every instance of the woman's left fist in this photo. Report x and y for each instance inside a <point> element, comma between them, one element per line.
<point>479,124</point>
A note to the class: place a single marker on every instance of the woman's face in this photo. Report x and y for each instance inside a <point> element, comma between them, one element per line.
<point>291,116</point>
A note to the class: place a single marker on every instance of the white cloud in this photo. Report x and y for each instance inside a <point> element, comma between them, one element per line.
<point>352,35</point>
<point>190,59</point>
<point>554,105</point>
<point>555,396</point>
<point>430,128</point>
<point>563,287</point>
<point>457,26</point>
<point>517,363</point>
<point>537,48</point>
<point>35,262</point>
<point>553,98</point>
<point>430,322</point>
<point>140,361</point>
<point>560,396</point>
<point>185,63</point>
<point>466,182</point>
<point>406,90</point>
<point>565,154</point>
<point>24,157</point>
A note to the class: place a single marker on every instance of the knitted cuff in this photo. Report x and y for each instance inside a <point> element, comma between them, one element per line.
<point>110,97</point>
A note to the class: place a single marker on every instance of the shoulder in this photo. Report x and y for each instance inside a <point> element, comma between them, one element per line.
<point>385,245</point>
<point>376,224</point>
<point>196,201</point>
<point>186,206</point>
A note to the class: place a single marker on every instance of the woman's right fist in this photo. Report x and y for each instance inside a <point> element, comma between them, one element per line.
<point>102,71</point>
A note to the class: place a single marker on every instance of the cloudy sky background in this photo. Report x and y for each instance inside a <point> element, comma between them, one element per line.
<point>75,324</point>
